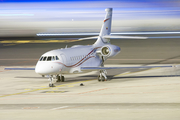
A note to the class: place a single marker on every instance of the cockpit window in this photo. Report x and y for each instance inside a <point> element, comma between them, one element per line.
<point>57,58</point>
<point>53,58</point>
<point>41,59</point>
<point>49,58</point>
<point>44,59</point>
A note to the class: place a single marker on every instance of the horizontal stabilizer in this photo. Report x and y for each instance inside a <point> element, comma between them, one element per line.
<point>114,37</point>
<point>124,37</point>
<point>19,68</point>
<point>87,38</point>
<point>106,68</point>
<point>117,33</point>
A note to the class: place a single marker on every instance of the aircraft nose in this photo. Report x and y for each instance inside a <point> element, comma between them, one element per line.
<point>46,68</point>
<point>38,68</point>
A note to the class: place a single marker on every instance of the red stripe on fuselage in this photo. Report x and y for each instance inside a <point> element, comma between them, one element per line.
<point>75,65</point>
<point>81,59</point>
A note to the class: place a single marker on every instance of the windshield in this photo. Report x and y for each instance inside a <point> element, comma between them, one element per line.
<point>49,58</point>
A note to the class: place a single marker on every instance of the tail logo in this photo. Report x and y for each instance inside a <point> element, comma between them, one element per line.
<point>106,28</point>
<point>106,19</point>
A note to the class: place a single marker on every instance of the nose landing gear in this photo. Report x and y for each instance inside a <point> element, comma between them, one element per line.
<point>51,81</point>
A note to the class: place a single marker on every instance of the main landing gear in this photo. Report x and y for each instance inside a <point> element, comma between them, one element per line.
<point>102,76</point>
<point>59,79</point>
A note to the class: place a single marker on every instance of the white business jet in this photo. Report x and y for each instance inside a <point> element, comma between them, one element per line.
<point>79,58</point>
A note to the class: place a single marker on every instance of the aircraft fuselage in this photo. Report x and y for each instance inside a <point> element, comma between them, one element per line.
<point>69,60</point>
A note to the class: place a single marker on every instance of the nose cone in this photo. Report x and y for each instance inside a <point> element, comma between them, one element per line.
<point>38,68</point>
<point>47,68</point>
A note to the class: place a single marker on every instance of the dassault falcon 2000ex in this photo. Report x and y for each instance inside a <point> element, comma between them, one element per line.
<point>80,58</point>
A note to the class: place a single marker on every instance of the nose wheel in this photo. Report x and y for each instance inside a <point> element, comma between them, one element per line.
<point>51,85</point>
<point>51,81</point>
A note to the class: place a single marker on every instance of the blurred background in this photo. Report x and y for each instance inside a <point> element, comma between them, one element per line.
<point>29,17</point>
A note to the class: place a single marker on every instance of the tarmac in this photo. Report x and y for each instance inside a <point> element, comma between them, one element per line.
<point>149,94</point>
<point>129,94</point>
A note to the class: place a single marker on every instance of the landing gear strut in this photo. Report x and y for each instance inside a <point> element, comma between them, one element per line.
<point>102,76</point>
<point>51,81</point>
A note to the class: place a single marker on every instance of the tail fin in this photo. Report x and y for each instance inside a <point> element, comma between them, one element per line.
<point>106,28</point>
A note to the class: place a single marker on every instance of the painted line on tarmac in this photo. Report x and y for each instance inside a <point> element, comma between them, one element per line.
<point>47,88</point>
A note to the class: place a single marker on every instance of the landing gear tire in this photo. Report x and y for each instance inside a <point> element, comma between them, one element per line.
<point>101,78</point>
<point>51,85</point>
<point>58,79</point>
<point>51,81</point>
<point>62,79</point>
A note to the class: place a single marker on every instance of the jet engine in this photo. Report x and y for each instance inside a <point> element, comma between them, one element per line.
<point>108,51</point>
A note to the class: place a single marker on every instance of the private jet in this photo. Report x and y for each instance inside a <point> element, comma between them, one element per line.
<point>80,58</point>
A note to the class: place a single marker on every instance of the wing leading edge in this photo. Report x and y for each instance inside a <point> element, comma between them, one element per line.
<point>19,68</point>
<point>106,68</point>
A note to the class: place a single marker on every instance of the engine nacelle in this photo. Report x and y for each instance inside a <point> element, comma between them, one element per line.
<point>108,50</point>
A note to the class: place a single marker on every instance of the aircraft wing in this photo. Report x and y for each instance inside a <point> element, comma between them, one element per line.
<point>19,68</point>
<point>106,68</point>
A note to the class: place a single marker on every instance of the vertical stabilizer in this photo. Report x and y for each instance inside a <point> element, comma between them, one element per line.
<point>106,28</point>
